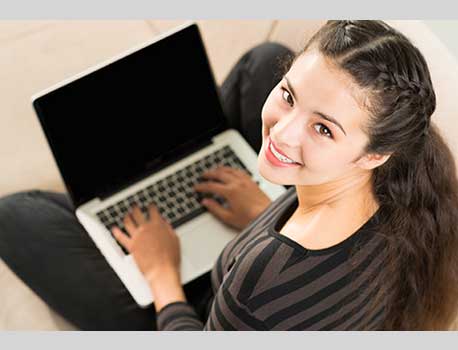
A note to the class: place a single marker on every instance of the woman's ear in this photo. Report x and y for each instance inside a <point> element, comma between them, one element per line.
<point>372,160</point>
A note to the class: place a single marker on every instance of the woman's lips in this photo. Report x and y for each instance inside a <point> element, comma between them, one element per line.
<point>274,160</point>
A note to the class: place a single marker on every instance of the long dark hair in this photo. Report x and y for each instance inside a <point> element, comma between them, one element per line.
<point>417,185</point>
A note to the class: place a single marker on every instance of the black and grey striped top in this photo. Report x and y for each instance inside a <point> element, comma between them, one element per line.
<point>265,281</point>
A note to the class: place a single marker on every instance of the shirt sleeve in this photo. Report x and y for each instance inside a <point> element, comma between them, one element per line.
<point>178,316</point>
<point>227,314</point>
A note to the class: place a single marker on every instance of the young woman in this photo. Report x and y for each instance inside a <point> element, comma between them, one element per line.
<point>366,239</point>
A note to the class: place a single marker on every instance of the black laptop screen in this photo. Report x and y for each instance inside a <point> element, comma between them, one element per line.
<point>122,121</point>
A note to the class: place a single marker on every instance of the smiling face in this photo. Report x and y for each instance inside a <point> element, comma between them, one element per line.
<point>301,144</point>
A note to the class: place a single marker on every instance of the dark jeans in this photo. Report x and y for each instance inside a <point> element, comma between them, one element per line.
<point>44,244</point>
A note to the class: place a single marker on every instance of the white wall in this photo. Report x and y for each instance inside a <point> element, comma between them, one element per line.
<point>447,32</point>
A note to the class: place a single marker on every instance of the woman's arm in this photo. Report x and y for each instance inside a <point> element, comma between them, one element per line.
<point>167,289</point>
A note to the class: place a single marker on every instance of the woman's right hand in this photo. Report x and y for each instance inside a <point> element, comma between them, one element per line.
<point>245,200</point>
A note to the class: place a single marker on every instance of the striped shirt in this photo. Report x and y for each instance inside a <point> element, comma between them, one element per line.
<point>264,280</point>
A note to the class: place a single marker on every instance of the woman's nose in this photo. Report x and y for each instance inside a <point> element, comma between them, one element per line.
<point>289,130</point>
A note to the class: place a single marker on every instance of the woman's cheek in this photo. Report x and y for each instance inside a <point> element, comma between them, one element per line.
<point>270,111</point>
<point>316,157</point>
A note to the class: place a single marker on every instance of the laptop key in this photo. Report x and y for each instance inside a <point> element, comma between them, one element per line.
<point>180,210</point>
<point>123,209</point>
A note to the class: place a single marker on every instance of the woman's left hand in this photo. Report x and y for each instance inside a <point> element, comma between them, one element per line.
<point>153,243</point>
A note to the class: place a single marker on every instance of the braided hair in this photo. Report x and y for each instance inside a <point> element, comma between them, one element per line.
<point>417,186</point>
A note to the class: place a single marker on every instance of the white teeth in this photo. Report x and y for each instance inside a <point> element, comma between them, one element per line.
<point>279,156</point>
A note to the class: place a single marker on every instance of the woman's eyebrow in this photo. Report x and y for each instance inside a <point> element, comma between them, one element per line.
<point>322,115</point>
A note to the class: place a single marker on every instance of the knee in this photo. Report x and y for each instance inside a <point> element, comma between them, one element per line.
<point>12,206</point>
<point>15,199</point>
<point>270,49</point>
<point>267,53</point>
<point>12,200</point>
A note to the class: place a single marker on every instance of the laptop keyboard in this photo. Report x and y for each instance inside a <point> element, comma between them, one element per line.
<point>173,195</point>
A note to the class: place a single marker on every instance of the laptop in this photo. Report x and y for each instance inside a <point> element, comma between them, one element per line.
<point>141,128</point>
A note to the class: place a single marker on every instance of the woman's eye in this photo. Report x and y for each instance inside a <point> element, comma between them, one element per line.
<point>321,127</point>
<point>288,98</point>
